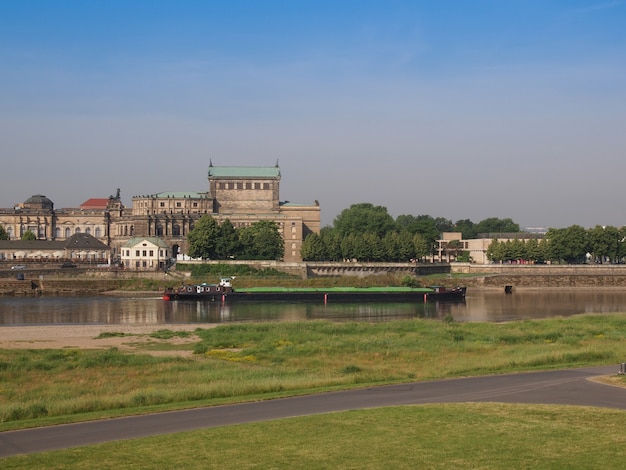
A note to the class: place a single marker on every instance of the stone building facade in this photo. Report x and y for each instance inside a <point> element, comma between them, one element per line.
<point>244,195</point>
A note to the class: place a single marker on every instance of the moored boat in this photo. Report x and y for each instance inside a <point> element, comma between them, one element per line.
<point>224,291</point>
<point>446,293</point>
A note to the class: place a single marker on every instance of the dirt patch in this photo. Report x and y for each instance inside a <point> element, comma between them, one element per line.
<point>132,338</point>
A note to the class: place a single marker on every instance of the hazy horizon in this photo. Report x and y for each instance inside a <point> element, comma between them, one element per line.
<point>461,110</point>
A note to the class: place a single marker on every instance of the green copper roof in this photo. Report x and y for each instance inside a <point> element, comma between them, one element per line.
<point>244,171</point>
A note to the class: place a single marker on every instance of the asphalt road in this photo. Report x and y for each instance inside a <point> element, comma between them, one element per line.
<point>567,387</point>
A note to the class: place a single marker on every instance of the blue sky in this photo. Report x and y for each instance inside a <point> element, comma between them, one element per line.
<point>456,109</point>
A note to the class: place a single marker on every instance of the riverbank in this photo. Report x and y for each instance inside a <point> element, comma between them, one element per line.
<point>252,361</point>
<point>124,337</point>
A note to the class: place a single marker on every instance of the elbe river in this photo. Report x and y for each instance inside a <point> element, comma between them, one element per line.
<point>480,305</point>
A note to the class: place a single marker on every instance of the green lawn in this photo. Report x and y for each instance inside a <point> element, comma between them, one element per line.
<point>454,436</point>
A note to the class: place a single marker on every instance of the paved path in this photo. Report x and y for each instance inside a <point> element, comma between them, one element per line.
<point>568,387</point>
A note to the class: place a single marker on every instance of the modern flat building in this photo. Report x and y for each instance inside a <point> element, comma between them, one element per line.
<point>244,195</point>
<point>452,244</point>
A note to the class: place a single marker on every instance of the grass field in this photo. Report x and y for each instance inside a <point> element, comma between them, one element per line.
<point>454,436</point>
<point>239,362</point>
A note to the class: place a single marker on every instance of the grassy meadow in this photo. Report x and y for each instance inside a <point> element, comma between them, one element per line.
<point>239,362</point>
<point>449,436</point>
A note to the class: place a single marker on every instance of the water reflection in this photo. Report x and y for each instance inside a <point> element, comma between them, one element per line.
<point>479,306</point>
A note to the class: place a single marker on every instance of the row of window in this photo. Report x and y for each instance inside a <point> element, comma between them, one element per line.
<point>143,253</point>
<point>65,232</point>
<point>264,186</point>
<point>178,204</point>
<point>145,204</point>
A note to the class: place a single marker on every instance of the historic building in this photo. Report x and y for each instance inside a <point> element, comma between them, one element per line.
<point>80,247</point>
<point>145,254</point>
<point>244,195</point>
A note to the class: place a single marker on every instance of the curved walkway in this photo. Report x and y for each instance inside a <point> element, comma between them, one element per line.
<point>567,387</point>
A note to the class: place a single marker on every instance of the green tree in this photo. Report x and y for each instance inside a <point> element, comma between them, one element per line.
<point>332,244</point>
<point>496,251</point>
<point>262,240</point>
<point>313,248</point>
<point>422,246</point>
<point>532,250</point>
<point>227,245</point>
<point>406,248</point>
<point>398,246</point>
<point>372,248</point>
<point>443,225</point>
<point>407,222</point>
<point>203,237</point>
<point>424,225</point>
<point>362,218</point>
<point>3,233</point>
<point>518,250</point>
<point>28,235</point>
<point>570,244</point>
<point>604,243</point>
<point>348,247</point>
<point>495,225</point>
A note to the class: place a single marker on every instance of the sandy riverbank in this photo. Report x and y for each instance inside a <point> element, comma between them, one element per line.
<point>86,336</point>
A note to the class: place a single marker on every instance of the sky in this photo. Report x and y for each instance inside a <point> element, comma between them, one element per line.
<point>452,108</point>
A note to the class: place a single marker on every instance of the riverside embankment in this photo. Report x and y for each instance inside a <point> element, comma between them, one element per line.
<point>95,281</point>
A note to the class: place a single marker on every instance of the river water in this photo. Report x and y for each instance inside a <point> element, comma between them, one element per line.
<point>489,306</point>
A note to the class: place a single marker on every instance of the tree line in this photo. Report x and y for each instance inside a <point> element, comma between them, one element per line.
<point>369,233</point>
<point>574,244</point>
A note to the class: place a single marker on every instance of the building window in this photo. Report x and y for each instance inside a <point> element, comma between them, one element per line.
<point>98,232</point>
<point>143,253</point>
<point>161,204</point>
<point>151,253</point>
<point>257,185</point>
<point>178,204</point>
<point>248,185</point>
<point>266,186</point>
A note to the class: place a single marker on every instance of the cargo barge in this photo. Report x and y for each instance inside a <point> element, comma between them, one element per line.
<point>225,292</point>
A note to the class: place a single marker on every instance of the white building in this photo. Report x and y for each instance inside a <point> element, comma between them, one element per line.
<point>452,245</point>
<point>145,254</point>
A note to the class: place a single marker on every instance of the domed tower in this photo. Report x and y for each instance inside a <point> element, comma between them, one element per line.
<point>39,202</point>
